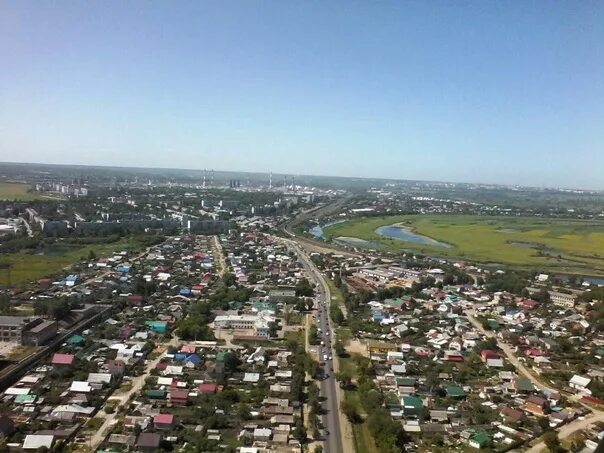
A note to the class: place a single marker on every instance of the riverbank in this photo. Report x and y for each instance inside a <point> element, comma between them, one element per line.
<point>572,247</point>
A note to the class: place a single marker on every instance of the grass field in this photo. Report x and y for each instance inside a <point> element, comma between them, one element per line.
<point>18,192</point>
<point>573,246</point>
<point>28,267</point>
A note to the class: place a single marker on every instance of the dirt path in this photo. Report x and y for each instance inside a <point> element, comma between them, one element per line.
<point>219,256</point>
<point>569,429</point>
<point>566,430</point>
<point>137,384</point>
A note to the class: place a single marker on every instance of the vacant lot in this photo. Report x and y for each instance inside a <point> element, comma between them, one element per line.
<point>560,245</point>
<point>18,192</point>
<point>26,267</point>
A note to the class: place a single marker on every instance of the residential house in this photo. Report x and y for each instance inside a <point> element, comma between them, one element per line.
<point>148,442</point>
<point>537,405</point>
<point>164,421</point>
<point>179,397</point>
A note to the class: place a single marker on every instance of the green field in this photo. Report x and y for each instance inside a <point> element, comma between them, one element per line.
<point>27,267</point>
<point>18,192</point>
<point>573,246</point>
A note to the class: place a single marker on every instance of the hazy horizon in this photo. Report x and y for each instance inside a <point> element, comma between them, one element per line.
<point>477,92</point>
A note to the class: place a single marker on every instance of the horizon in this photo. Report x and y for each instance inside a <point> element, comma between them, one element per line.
<point>476,93</point>
<point>267,173</point>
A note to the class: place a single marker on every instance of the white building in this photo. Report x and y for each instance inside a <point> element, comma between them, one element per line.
<point>562,299</point>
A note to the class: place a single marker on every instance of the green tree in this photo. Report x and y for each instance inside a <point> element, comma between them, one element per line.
<point>299,430</point>
<point>550,438</point>
<point>350,411</point>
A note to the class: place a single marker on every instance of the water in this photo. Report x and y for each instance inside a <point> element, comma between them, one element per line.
<point>596,281</point>
<point>357,243</point>
<point>404,234</point>
<point>317,230</point>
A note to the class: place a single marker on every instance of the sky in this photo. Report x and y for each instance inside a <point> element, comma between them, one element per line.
<point>471,91</point>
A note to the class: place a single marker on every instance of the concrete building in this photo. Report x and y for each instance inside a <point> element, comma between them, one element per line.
<point>562,299</point>
<point>40,334</point>
<point>12,327</point>
<point>258,323</point>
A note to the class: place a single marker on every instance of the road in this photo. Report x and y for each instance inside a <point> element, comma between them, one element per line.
<point>137,383</point>
<point>329,388</point>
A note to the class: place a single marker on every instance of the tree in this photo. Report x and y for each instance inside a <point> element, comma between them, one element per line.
<point>543,423</point>
<point>344,378</point>
<point>272,329</point>
<point>350,411</point>
<point>542,296</point>
<point>243,411</point>
<point>231,362</point>
<point>228,279</point>
<point>550,438</point>
<point>299,430</point>
<point>304,288</point>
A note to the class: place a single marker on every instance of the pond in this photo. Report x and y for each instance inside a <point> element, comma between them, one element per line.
<point>404,234</point>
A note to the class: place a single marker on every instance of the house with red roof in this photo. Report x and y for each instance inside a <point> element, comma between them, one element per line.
<point>164,421</point>
<point>179,397</point>
<point>188,349</point>
<point>116,367</point>
<point>529,304</point>
<point>62,361</point>
<point>534,352</point>
<point>208,388</point>
<point>491,358</point>
<point>536,405</point>
<point>135,299</point>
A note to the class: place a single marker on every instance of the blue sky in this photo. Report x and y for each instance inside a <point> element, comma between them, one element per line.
<point>502,92</point>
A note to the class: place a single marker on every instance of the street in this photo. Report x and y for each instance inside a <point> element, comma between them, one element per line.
<point>331,418</point>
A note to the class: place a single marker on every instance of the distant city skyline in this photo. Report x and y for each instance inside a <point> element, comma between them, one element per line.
<point>479,92</point>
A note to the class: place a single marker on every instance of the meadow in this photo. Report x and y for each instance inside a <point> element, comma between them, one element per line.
<point>573,246</point>
<point>26,267</point>
<point>18,192</point>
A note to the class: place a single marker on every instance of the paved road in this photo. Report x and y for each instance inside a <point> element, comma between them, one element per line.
<point>329,387</point>
<point>121,398</point>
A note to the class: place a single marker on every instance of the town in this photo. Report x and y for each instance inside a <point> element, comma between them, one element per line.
<point>195,319</point>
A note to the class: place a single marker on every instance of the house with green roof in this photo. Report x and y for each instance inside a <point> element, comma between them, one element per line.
<point>157,326</point>
<point>25,399</point>
<point>76,340</point>
<point>523,385</point>
<point>455,391</point>
<point>479,440</point>
<point>156,394</point>
<point>493,324</point>
<point>412,405</point>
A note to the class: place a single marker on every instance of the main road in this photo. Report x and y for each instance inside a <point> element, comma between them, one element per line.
<point>329,390</point>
